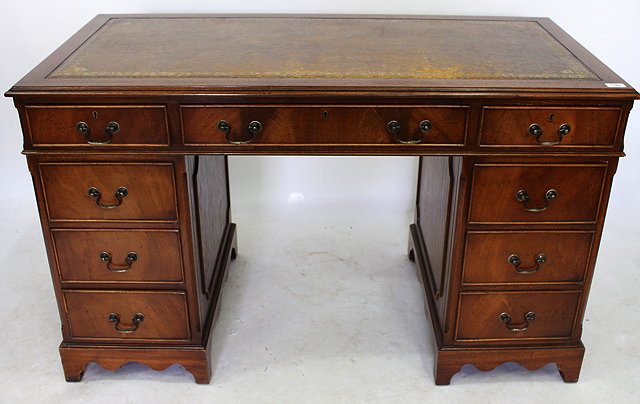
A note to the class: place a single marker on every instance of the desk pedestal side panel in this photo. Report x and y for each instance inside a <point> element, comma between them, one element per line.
<point>439,179</point>
<point>529,291</point>
<point>213,232</point>
<point>121,300</point>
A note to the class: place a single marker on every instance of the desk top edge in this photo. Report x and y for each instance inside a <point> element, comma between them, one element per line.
<point>39,80</point>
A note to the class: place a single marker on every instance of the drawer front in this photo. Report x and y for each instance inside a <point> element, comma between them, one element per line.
<point>114,256</point>
<point>136,125</point>
<point>480,315</point>
<point>150,191</point>
<point>536,193</point>
<point>110,315</point>
<point>526,257</point>
<point>325,125</point>
<point>510,126</point>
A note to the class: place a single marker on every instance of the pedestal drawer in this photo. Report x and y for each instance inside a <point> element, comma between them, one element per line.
<point>517,315</point>
<point>91,126</point>
<point>109,191</point>
<point>536,193</point>
<point>443,125</point>
<point>130,315</point>
<point>518,257</point>
<point>114,256</point>
<point>549,126</point>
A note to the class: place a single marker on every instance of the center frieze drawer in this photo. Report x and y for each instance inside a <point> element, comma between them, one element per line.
<point>118,256</point>
<point>127,315</point>
<point>109,191</point>
<point>517,315</point>
<point>519,257</point>
<point>433,125</point>
<point>536,193</point>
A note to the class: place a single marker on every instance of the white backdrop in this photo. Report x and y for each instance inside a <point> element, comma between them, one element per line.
<point>30,30</point>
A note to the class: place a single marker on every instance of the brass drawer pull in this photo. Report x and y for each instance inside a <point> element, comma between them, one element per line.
<point>530,316</point>
<point>136,320</point>
<point>536,130</point>
<point>111,129</point>
<point>523,196</point>
<point>129,260</point>
<point>254,128</point>
<point>395,128</point>
<point>516,262</point>
<point>119,194</point>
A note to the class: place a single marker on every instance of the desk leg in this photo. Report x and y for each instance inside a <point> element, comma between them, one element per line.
<point>438,244</point>
<point>206,242</point>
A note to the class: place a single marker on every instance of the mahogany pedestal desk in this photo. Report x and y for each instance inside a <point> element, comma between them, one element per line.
<point>127,127</point>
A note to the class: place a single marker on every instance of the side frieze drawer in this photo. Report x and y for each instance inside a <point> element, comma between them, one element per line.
<point>97,126</point>
<point>551,127</point>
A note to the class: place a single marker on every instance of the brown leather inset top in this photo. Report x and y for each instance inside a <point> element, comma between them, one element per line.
<point>320,47</point>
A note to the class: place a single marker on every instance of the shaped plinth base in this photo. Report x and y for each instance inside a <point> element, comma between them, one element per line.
<point>75,359</point>
<point>450,361</point>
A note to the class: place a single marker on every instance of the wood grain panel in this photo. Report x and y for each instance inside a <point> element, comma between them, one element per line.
<point>494,189</point>
<point>434,201</point>
<point>479,315</point>
<point>151,191</point>
<point>165,314</point>
<point>210,206</point>
<point>56,125</point>
<point>158,252</point>
<point>509,126</point>
<point>487,253</point>
<point>324,124</point>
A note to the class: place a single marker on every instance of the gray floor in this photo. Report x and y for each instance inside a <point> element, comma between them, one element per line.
<point>321,306</point>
